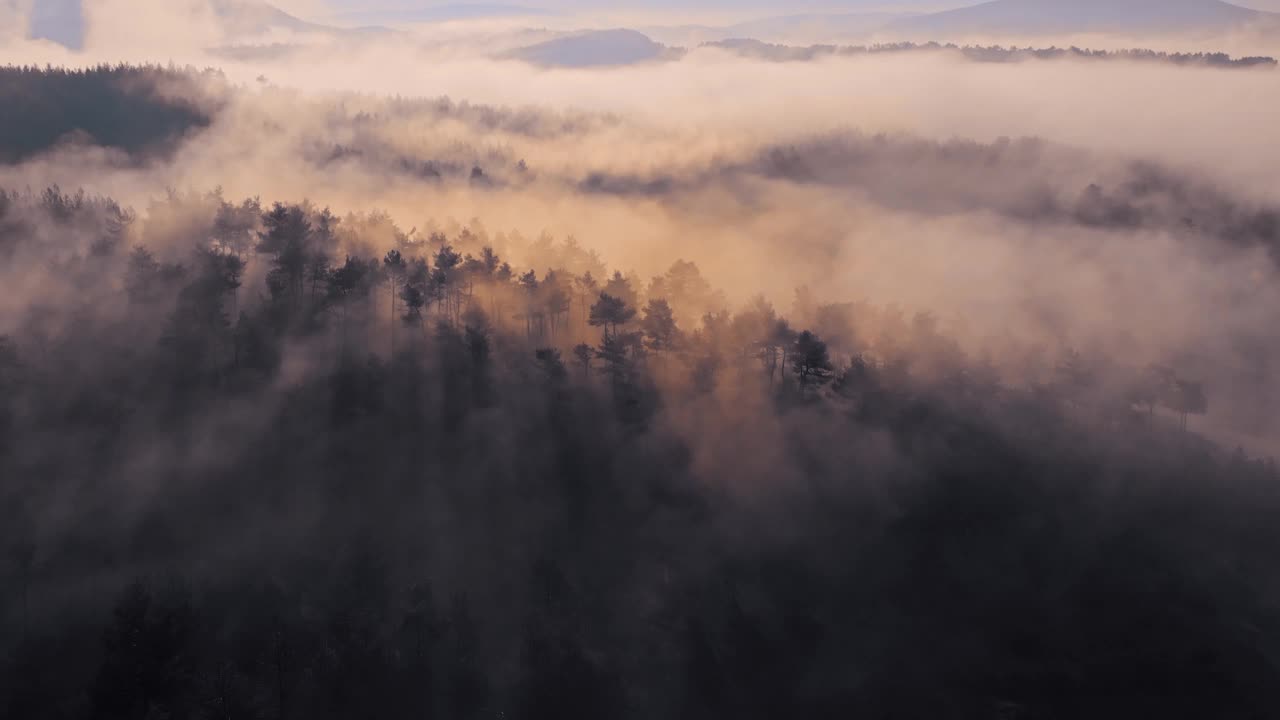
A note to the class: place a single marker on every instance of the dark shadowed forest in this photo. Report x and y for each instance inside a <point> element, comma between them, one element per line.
<point>138,110</point>
<point>267,459</point>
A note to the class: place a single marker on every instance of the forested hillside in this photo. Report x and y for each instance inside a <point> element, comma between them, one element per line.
<point>139,110</point>
<point>268,460</point>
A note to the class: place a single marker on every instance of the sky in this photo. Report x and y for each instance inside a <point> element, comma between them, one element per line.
<point>55,18</point>
<point>781,7</point>
<point>695,11</point>
<point>650,15</point>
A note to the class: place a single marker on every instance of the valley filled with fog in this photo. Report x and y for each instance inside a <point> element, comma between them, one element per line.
<point>478,361</point>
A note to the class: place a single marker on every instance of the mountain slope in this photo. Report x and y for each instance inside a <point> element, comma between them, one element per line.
<point>252,17</point>
<point>1073,16</point>
<point>601,48</point>
<point>62,21</point>
<point>59,21</point>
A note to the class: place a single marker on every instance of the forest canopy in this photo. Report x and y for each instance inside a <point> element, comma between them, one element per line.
<point>122,107</point>
<point>265,456</point>
<point>562,491</point>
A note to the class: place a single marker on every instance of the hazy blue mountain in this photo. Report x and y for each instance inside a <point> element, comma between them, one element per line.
<point>247,18</point>
<point>252,17</point>
<point>62,21</point>
<point>58,20</point>
<point>1070,16</point>
<point>600,48</point>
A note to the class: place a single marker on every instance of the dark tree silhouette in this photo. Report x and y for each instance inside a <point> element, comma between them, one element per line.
<point>776,347</point>
<point>286,237</point>
<point>348,285</point>
<point>621,287</point>
<point>1186,398</point>
<point>583,354</point>
<point>147,666</point>
<point>810,360</point>
<point>588,287</point>
<point>394,271</point>
<point>610,313</point>
<point>659,326</point>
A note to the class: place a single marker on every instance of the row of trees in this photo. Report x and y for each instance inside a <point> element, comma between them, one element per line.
<point>423,284</point>
<point>676,327</point>
<point>990,53</point>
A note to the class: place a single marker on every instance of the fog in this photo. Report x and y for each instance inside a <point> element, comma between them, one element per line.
<point>386,375</point>
<point>663,153</point>
<point>984,167</point>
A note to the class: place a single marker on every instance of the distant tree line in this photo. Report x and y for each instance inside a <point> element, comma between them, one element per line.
<point>987,54</point>
<point>112,106</point>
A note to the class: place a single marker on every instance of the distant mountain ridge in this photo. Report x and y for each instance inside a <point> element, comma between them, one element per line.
<point>251,17</point>
<point>598,48</point>
<point>1076,16</point>
<point>59,21</point>
<point>63,22</point>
